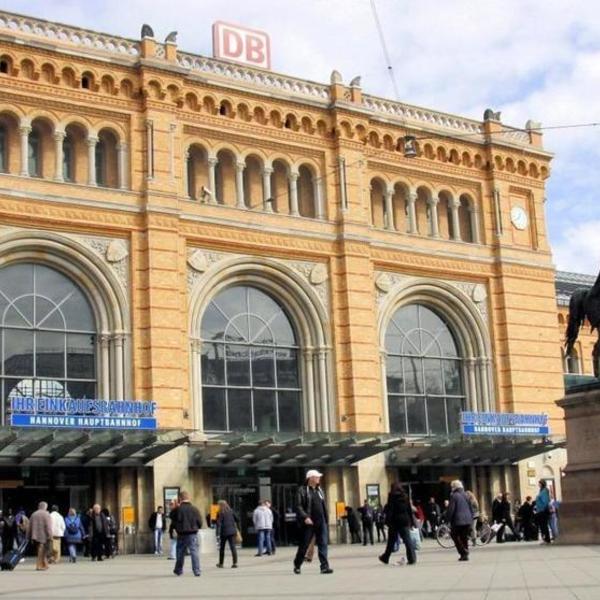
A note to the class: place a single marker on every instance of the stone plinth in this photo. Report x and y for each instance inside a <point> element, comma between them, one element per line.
<point>580,508</point>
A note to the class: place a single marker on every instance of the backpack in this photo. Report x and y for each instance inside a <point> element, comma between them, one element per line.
<point>72,527</point>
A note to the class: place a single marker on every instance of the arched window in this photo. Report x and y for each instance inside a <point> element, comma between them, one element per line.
<point>250,375</point>
<point>34,158</point>
<point>68,159</point>
<point>571,363</point>
<point>48,335</point>
<point>424,373</point>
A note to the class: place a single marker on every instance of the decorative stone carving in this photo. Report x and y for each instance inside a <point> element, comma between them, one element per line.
<point>319,274</point>
<point>479,293</point>
<point>116,251</point>
<point>383,283</point>
<point>198,261</point>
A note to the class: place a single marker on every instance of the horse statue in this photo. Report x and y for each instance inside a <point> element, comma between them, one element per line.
<point>585,304</point>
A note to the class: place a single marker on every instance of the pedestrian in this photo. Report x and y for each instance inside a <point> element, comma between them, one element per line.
<point>275,525</point>
<point>227,524</point>
<point>433,515</point>
<point>445,506</point>
<point>380,523</point>
<point>542,510</point>
<point>110,542</point>
<point>313,520</point>
<point>74,533</point>
<point>9,531</point>
<point>476,514</point>
<point>172,533</point>
<point>58,532</point>
<point>367,517</point>
<point>460,518</point>
<point>21,525</point>
<point>40,533</point>
<point>553,521</point>
<point>98,532</point>
<point>188,521</point>
<point>504,518</point>
<point>2,526</point>
<point>527,519</point>
<point>400,519</point>
<point>86,523</point>
<point>353,526</point>
<point>158,525</point>
<point>262,518</point>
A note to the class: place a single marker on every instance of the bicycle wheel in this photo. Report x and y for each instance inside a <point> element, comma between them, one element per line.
<point>486,533</point>
<point>443,537</point>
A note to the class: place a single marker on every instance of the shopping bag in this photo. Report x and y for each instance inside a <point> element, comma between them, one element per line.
<point>415,537</point>
<point>496,527</point>
<point>238,537</point>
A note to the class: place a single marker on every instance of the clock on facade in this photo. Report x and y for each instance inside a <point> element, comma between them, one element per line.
<point>518,217</point>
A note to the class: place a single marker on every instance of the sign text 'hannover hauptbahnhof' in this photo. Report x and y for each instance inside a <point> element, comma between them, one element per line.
<point>82,413</point>
<point>492,423</point>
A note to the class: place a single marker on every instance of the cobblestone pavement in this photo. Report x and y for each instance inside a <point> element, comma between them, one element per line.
<point>513,571</point>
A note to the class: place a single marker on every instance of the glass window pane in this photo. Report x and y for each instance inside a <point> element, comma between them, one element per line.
<point>81,355</point>
<point>20,313</point>
<point>406,319</point>
<point>240,410</point>
<point>260,332</point>
<point>16,280</point>
<point>431,346</point>
<point>238,365</point>
<point>262,304</point>
<point>237,329</point>
<point>452,377</point>
<point>52,388</point>
<point>213,363</point>
<point>265,414</point>
<point>18,352</point>
<point>78,313</point>
<point>263,367</point>
<point>213,324</point>
<point>413,375</point>
<point>283,333</point>
<point>48,315</point>
<point>287,368</point>
<point>433,376</point>
<point>393,369</point>
<point>454,406</point>
<point>213,409</point>
<point>429,321</point>
<point>397,414</point>
<point>50,354</point>
<point>81,389</point>
<point>289,411</point>
<point>411,344</point>
<point>232,301</point>
<point>436,412</point>
<point>415,412</point>
<point>447,343</point>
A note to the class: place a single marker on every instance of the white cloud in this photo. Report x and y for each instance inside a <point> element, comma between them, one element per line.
<point>580,248</point>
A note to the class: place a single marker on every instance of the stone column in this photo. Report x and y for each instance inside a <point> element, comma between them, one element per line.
<point>454,206</point>
<point>24,132</point>
<point>186,174</point>
<point>293,178</point>
<point>323,395</point>
<point>384,393</point>
<point>433,217</point>
<point>311,423</point>
<point>196,395</point>
<point>122,161</point>
<point>118,342</point>
<point>318,195</point>
<point>59,138</point>
<point>472,384</point>
<point>389,210</point>
<point>412,212</point>
<point>474,214</point>
<point>266,177</point>
<point>483,368</point>
<point>149,149</point>
<point>104,343</point>
<point>91,144</point>
<point>212,179</point>
<point>239,184</point>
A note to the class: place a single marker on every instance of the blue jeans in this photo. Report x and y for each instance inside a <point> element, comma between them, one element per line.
<point>72,550</point>
<point>158,535</point>
<point>187,541</point>
<point>264,540</point>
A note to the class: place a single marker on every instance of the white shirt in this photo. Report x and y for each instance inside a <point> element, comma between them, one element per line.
<point>58,524</point>
<point>159,521</point>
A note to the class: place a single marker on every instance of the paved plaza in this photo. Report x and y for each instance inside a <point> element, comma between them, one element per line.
<point>508,572</point>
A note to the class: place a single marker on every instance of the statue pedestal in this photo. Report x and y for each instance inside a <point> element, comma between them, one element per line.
<point>579,513</point>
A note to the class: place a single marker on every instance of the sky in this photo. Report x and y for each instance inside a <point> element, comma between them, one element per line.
<point>529,59</point>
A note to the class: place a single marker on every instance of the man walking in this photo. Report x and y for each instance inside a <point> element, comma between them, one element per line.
<point>98,532</point>
<point>186,521</point>
<point>158,525</point>
<point>311,510</point>
<point>366,514</point>
<point>262,517</point>
<point>460,517</point>
<point>58,532</point>
<point>40,532</point>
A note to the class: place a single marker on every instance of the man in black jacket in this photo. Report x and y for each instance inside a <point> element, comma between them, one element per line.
<point>187,521</point>
<point>460,517</point>
<point>311,511</point>
<point>158,525</point>
<point>98,532</point>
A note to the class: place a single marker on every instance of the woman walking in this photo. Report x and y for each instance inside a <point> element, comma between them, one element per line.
<point>74,533</point>
<point>400,520</point>
<point>542,510</point>
<point>227,524</point>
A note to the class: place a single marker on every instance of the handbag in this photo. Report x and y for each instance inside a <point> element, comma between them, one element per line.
<point>495,527</point>
<point>238,536</point>
<point>415,538</point>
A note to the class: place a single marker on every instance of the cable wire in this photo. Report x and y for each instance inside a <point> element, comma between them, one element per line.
<point>386,54</point>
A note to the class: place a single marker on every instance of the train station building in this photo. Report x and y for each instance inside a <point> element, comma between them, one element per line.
<point>252,274</point>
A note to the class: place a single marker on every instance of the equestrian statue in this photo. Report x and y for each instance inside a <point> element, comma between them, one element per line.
<point>585,304</point>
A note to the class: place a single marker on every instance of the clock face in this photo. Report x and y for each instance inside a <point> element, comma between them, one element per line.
<point>518,217</point>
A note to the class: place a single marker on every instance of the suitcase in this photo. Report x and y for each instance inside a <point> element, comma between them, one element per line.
<point>11,558</point>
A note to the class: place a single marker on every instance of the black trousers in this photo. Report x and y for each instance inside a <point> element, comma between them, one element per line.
<point>367,531</point>
<point>321,538</point>
<point>98,542</point>
<point>380,531</point>
<point>542,519</point>
<point>500,534</point>
<point>355,536</point>
<point>404,533</point>
<point>230,539</point>
<point>460,536</point>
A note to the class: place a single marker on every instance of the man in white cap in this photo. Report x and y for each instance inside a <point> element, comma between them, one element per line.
<point>311,511</point>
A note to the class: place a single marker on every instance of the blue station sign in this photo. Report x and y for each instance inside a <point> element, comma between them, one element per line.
<point>491,423</point>
<point>82,413</point>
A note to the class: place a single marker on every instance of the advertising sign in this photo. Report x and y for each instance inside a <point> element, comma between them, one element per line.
<point>490,423</point>
<point>81,413</point>
<point>241,45</point>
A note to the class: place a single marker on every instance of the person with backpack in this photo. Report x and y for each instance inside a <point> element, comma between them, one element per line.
<point>74,533</point>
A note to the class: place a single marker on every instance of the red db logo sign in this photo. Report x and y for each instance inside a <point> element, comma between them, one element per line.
<point>247,46</point>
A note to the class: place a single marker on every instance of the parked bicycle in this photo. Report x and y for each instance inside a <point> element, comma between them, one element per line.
<point>484,535</point>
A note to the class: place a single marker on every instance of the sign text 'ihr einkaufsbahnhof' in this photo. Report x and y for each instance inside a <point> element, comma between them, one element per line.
<point>82,413</point>
<point>491,423</point>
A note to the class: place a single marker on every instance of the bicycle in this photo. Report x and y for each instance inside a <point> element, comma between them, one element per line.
<point>484,535</point>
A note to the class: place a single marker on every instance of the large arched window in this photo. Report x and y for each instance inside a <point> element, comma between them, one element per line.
<point>424,373</point>
<point>250,375</point>
<point>47,333</point>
